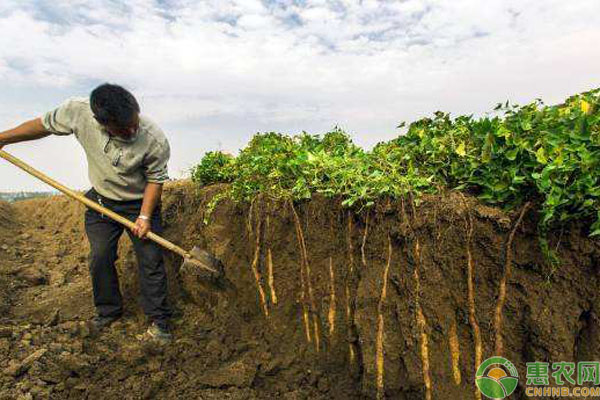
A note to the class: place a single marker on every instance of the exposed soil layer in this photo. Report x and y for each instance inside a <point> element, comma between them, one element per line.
<point>6,219</point>
<point>8,226</point>
<point>400,302</point>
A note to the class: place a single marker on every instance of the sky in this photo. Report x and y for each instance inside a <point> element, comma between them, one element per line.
<point>213,73</point>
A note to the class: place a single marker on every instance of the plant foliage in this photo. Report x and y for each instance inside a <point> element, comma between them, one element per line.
<point>215,167</point>
<point>548,154</point>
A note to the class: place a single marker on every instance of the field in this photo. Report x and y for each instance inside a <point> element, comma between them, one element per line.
<point>17,196</point>
<point>353,274</point>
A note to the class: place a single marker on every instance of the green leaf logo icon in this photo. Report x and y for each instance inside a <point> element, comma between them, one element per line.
<point>497,378</point>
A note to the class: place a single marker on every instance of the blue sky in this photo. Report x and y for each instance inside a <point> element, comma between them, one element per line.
<point>212,73</point>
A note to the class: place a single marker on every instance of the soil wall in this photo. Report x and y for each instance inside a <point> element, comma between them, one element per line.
<point>399,302</point>
<point>403,302</point>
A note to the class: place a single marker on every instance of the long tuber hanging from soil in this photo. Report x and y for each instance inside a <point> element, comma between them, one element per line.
<point>454,345</point>
<point>271,279</point>
<point>364,242</point>
<point>274,299</point>
<point>306,280</point>
<point>331,315</point>
<point>471,295</point>
<point>502,290</point>
<point>349,311</point>
<point>422,324</point>
<point>380,325</point>
<point>257,276</point>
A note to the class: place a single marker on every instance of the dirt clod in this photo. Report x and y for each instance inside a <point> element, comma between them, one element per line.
<point>17,368</point>
<point>238,373</point>
<point>32,275</point>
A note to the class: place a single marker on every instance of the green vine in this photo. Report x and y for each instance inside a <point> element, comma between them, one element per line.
<point>549,155</point>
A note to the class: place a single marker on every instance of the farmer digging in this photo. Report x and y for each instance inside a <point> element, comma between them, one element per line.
<point>127,156</point>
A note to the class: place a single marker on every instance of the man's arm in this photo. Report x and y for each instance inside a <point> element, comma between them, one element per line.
<point>30,130</point>
<point>152,195</point>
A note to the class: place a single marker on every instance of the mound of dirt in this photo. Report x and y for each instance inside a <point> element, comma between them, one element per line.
<point>8,226</point>
<point>319,302</point>
<point>7,218</point>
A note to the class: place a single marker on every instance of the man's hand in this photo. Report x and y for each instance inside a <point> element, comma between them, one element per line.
<point>141,228</point>
<point>152,195</point>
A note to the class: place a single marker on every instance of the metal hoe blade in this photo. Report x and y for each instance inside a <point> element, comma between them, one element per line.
<point>205,263</point>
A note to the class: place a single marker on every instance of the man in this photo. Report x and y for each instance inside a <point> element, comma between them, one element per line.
<point>127,158</point>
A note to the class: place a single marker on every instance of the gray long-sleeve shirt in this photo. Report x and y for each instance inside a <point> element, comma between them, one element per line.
<point>118,169</point>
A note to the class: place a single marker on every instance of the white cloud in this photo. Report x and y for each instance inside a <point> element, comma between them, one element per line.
<point>212,73</point>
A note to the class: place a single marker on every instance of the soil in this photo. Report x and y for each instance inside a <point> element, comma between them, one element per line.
<point>311,307</point>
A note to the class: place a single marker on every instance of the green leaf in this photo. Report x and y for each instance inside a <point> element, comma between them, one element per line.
<point>511,154</point>
<point>540,155</point>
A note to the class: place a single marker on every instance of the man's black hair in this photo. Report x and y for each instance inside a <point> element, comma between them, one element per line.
<point>113,105</point>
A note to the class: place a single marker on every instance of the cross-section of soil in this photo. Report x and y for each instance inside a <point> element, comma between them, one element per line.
<point>320,302</point>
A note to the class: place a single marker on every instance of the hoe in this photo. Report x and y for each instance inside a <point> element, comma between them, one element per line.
<point>210,266</point>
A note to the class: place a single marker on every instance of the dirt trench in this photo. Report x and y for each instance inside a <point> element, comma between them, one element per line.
<point>401,302</point>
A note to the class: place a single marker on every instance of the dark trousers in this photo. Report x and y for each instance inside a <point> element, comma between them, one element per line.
<point>103,235</point>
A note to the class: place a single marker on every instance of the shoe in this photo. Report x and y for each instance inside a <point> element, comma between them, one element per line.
<point>158,332</point>
<point>99,322</point>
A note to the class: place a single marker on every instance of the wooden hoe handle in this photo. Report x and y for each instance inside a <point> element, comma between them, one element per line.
<point>91,204</point>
